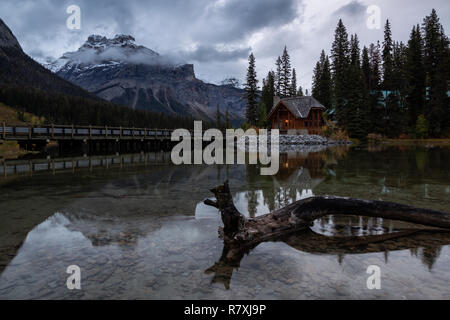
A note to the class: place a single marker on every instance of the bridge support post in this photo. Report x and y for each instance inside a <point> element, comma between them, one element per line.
<point>4,130</point>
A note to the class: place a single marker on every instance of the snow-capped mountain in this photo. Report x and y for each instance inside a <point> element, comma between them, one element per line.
<point>123,72</point>
<point>100,51</point>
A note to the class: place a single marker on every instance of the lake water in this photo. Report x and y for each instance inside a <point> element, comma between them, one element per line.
<point>138,228</point>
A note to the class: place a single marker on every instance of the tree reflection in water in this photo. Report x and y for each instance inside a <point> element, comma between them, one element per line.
<point>299,174</point>
<point>426,243</point>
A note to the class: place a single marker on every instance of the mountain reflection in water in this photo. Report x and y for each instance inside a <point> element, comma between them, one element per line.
<point>142,231</point>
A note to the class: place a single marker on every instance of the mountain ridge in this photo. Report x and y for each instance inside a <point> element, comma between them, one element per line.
<point>7,38</point>
<point>118,70</point>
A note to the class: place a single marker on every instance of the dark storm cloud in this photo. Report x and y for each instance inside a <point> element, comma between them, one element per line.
<point>160,24</point>
<point>216,35</point>
<point>237,19</point>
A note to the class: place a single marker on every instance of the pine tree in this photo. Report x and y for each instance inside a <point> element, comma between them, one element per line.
<point>397,112</point>
<point>227,119</point>
<point>326,85</point>
<point>251,92</point>
<point>387,58</point>
<point>293,87</point>
<point>400,58</point>
<point>300,91</point>
<point>365,67</point>
<point>366,98</point>
<point>268,91</point>
<point>278,76</point>
<point>415,77</point>
<point>375,65</point>
<point>436,52</point>
<point>322,83</point>
<point>444,83</point>
<point>355,108</point>
<point>340,65</point>
<point>317,76</point>
<point>377,109</point>
<point>285,76</point>
<point>392,100</point>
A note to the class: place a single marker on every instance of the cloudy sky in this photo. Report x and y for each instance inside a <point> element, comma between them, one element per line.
<point>215,35</point>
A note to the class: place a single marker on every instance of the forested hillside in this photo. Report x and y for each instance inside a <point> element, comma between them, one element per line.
<point>27,86</point>
<point>389,88</point>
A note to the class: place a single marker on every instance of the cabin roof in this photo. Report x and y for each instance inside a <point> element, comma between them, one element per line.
<point>299,106</point>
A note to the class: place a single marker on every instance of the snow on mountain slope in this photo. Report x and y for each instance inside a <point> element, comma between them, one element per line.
<point>123,72</point>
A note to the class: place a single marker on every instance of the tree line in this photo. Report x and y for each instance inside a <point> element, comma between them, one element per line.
<point>388,89</point>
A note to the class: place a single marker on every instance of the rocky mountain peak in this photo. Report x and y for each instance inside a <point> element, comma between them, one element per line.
<point>7,39</point>
<point>123,39</point>
<point>102,51</point>
<point>118,70</point>
<point>120,40</point>
<point>95,39</point>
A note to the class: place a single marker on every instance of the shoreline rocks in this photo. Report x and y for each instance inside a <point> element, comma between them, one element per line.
<point>309,140</point>
<point>295,142</point>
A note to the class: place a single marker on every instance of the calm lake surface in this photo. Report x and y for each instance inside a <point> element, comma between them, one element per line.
<point>137,228</point>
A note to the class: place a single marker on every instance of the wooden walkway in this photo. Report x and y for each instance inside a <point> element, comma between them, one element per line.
<point>83,133</point>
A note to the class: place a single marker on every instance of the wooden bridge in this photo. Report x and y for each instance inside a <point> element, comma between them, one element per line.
<point>64,132</point>
<point>88,138</point>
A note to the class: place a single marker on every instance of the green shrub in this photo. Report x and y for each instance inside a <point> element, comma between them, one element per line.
<point>421,127</point>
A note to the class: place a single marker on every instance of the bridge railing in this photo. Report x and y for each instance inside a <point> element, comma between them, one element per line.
<point>67,131</point>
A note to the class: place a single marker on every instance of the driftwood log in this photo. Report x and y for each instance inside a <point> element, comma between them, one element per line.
<point>240,234</point>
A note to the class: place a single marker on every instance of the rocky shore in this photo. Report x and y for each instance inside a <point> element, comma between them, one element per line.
<point>310,143</point>
<point>309,140</point>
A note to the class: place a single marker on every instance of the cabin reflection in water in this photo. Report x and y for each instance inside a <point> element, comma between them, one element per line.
<point>300,172</point>
<point>107,214</point>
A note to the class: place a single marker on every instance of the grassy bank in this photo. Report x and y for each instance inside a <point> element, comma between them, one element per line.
<point>14,117</point>
<point>11,116</point>
<point>11,150</point>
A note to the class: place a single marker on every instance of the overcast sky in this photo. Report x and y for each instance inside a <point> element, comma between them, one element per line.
<point>215,35</point>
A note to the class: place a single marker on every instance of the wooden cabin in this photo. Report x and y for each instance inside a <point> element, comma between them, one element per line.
<point>297,115</point>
